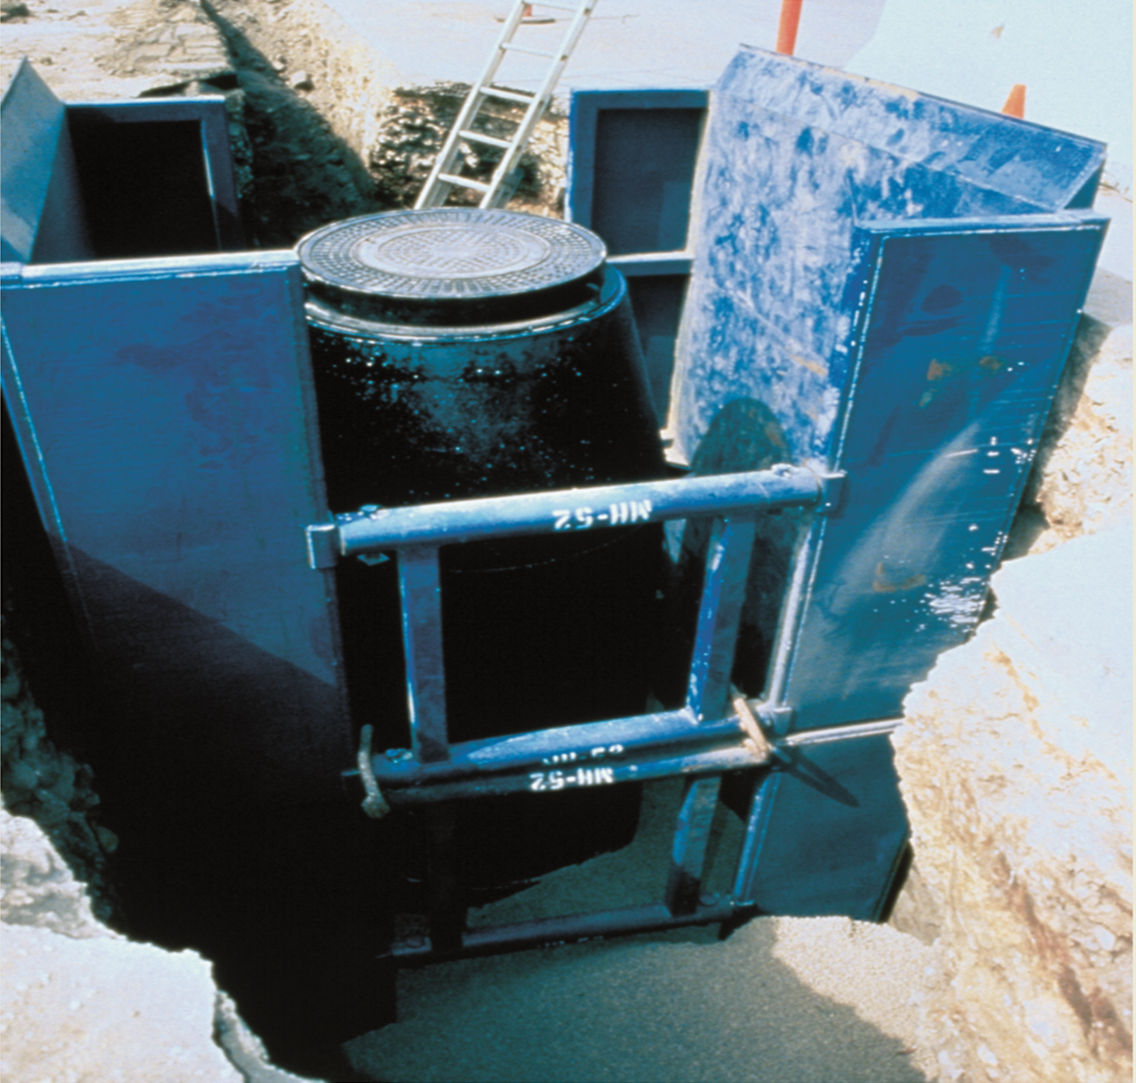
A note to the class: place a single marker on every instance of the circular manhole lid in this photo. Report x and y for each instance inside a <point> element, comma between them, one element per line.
<point>452,264</point>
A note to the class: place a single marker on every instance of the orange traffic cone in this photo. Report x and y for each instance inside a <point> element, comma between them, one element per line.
<point>1016,103</point>
<point>787,27</point>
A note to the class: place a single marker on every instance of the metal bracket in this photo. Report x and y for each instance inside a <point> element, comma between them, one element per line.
<point>323,546</point>
<point>755,740</point>
<point>778,718</point>
<point>832,491</point>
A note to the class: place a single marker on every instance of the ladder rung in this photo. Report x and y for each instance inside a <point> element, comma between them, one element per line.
<point>465,182</point>
<point>556,7</point>
<point>492,140</point>
<point>508,95</point>
<point>525,49</point>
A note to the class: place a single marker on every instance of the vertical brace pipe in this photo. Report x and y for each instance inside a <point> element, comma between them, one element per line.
<point>692,833</point>
<point>723,594</point>
<point>419,581</point>
<point>420,585</point>
<point>756,823</point>
<point>446,896</point>
<point>720,611</point>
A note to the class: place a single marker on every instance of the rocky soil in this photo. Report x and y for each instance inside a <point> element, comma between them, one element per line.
<point>81,1002</point>
<point>317,96</point>
<point>1016,770</point>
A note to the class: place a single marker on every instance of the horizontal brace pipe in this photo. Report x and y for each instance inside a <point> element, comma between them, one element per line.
<point>590,745</point>
<point>569,929</point>
<point>584,744</point>
<point>565,511</point>
<point>851,732</point>
<point>580,775</point>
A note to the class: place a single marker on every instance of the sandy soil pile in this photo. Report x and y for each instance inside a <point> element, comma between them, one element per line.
<point>783,1000</point>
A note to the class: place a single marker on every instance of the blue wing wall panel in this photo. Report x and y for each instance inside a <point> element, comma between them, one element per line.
<point>829,830</point>
<point>885,283</point>
<point>955,367</point>
<point>165,415</point>
<point>632,156</point>
<point>38,180</point>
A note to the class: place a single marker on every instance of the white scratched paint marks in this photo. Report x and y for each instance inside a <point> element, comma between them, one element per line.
<point>959,602</point>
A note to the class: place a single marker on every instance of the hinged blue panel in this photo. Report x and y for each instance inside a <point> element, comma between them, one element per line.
<point>956,363</point>
<point>885,284</point>
<point>164,411</point>
<point>37,175</point>
<point>826,832</point>
<point>873,291</point>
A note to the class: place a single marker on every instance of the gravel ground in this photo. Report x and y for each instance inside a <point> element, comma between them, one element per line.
<point>821,1000</point>
<point>783,1000</point>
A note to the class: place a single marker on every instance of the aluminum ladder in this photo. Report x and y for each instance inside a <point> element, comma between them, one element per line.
<point>446,175</point>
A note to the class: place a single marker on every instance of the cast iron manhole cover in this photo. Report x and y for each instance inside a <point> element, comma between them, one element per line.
<point>449,259</point>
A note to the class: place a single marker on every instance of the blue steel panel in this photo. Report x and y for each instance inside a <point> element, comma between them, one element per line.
<point>657,300</point>
<point>809,337</point>
<point>828,830</point>
<point>884,284</point>
<point>43,215</point>
<point>631,162</point>
<point>40,206</point>
<point>1040,166</point>
<point>956,366</point>
<point>632,157</point>
<point>796,157</point>
<point>165,414</point>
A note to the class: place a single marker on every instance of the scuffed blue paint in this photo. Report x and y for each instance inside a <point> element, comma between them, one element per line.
<point>895,279</point>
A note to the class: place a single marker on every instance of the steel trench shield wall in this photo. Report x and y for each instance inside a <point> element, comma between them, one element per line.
<point>885,284</point>
<point>954,371</point>
<point>164,411</point>
<point>632,156</point>
<point>105,180</point>
<point>881,283</point>
<point>165,416</point>
<point>868,269</point>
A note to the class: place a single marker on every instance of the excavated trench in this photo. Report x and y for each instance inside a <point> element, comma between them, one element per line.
<point>319,137</point>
